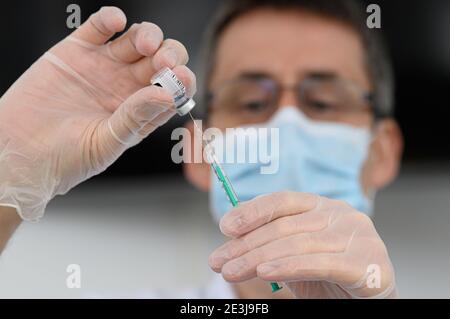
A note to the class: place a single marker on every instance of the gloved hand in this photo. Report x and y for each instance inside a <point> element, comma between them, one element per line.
<point>320,248</point>
<point>81,105</point>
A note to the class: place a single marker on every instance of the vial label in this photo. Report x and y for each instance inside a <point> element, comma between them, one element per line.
<point>168,80</point>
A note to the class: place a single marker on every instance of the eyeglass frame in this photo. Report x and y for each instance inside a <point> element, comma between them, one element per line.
<point>366,96</point>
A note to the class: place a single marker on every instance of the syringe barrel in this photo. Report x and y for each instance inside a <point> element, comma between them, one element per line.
<point>226,184</point>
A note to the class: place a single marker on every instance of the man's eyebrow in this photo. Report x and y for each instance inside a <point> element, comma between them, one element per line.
<point>325,75</point>
<point>322,75</point>
<point>254,75</point>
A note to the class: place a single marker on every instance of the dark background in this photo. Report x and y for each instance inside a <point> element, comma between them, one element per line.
<point>417,33</point>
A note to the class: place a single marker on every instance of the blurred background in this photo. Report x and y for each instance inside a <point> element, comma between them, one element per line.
<point>140,225</point>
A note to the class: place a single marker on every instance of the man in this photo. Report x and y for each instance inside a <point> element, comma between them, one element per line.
<point>312,69</point>
<point>64,121</point>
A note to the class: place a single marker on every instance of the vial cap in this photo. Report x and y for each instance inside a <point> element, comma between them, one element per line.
<point>186,107</point>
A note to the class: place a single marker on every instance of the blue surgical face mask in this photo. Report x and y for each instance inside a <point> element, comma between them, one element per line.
<point>315,157</point>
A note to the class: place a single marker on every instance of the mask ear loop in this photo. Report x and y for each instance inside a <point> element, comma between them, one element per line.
<point>371,193</point>
<point>370,197</point>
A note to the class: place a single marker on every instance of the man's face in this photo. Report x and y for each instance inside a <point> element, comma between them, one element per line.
<point>288,46</point>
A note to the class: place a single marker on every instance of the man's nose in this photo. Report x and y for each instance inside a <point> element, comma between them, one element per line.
<point>288,97</point>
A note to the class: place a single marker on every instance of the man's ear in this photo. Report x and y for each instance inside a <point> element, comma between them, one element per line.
<point>198,174</point>
<point>385,155</point>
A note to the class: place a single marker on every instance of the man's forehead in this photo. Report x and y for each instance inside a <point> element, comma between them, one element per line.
<point>288,43</point>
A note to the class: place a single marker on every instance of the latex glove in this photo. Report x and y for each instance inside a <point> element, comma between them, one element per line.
<point>320,248</point>
<point>81,105</point>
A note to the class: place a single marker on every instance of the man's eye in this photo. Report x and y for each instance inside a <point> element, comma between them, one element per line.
<point>320,106</point>
<point>254,106</point>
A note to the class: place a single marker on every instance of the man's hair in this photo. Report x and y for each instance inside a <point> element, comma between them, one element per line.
<point>350,12</point>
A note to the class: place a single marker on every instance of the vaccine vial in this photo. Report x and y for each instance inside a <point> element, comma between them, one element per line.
<point>169,81</point>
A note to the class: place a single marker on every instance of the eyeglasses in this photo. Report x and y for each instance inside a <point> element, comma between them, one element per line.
<point>321,97</point>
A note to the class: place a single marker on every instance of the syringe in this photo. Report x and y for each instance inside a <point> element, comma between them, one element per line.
<point>167,79</point>
<point>224,180</point>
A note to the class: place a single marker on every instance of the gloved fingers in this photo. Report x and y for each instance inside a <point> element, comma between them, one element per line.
<point>280,228</point>
<point>136,112</point>
<point>158,121</point>
<point>338,269</point>
<point>101,26</point>
<point>140,40</point>
<point>263,209</point>
<point>187,77</point>
<point>171,54</point>
<point>330,267</point>
<point>245,267</point>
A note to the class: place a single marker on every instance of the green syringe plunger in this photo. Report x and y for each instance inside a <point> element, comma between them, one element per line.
<point>228,188</point>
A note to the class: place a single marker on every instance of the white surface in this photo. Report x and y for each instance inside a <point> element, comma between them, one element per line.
<point>127,236</point>
<point>131,236</point>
